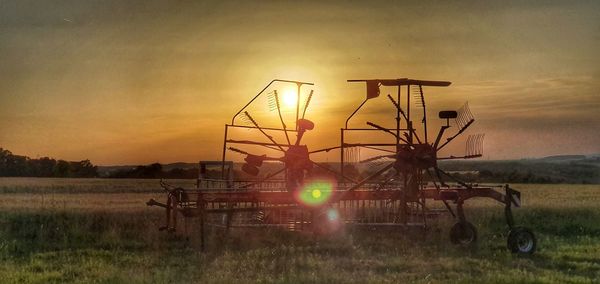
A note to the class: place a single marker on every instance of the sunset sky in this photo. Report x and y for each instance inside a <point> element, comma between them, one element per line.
<point>130,82</point>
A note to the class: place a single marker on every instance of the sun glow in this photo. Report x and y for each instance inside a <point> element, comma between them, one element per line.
<point>289,98</point>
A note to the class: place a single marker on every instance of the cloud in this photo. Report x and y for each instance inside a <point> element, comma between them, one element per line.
<point>115,69</point>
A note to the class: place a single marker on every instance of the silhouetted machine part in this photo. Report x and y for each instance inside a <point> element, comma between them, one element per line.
<point>400,181</point>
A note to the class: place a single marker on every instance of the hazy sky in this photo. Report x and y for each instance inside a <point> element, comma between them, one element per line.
<point>128,82</point>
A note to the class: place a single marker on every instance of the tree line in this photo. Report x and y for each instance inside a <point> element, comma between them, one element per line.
<point>154,171</point>
<point>12,165</point>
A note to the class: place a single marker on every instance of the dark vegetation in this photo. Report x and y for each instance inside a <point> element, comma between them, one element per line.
<point>573,169</point>
<point>568,169</point>
<point>155,170</point>
<point>22,166</point>
<point>578,170</point>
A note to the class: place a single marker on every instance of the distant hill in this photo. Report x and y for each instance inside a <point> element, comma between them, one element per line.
<point>563,158</point>
<point>553,169</point>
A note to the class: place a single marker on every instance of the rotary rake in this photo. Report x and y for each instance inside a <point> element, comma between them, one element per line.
<point>280,184</point>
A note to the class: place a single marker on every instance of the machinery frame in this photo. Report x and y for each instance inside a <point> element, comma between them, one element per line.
<point>392,195</point>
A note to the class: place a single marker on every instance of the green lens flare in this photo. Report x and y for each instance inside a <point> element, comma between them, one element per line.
<point>315,193</point>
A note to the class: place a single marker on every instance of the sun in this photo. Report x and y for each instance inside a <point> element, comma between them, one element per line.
<point>289,98</point>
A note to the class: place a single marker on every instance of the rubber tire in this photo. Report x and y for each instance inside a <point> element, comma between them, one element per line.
<point>516,236</point>
<point>463,233</point>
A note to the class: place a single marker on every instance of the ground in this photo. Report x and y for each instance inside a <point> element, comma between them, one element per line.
<point>99,230</point>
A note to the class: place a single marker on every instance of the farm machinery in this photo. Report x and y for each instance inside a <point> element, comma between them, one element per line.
<point>280,183</point>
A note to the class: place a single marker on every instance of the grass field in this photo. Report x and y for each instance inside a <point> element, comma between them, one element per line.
<point>99,230</point>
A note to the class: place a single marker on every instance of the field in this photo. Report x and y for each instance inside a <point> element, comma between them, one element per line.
<point>99,230</point>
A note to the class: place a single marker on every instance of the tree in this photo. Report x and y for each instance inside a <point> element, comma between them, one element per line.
<point>61,169</point>
<point>83,169</point>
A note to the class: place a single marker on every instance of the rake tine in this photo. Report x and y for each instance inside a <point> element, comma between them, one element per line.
<point>469,144</point>
<point>246,119</point>
<point>307,102</point>
<point>238,151</point>
<point>481,140</point>
<point>471,116</point>
<point>467,148</point>
<point>278,106</point>
<point>393,101</point>
<point>262,131</point>
<point>478,145</point>
<point>397,106</point>
<point>459,120</point>
<point>462,116</point>
<point>272,100</point>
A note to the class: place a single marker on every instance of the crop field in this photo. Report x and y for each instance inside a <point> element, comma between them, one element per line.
<point>100,230</point>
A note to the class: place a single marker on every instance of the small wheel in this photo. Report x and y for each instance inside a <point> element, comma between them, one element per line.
<point>521,240</point>
<point>463,233</point>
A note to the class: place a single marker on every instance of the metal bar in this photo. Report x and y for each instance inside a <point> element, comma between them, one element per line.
<point>368,144</point>
<point>460,157</point>
<point>255,143</point>
<point>408,121</point>
<point>264,179</point>
<point>379,149</point>
<point>405,81</point>
<point>263,132</point>
<point>324,150</point>
<point>298,104</point>
<point>342,151</point>
<point>223,155</point>
<point>356,110</point>
<point>371,129</point>
<point>264,128</point>
<point>424,113</point>
<point>458,133</point>
<point>398,110</point>
<point>332,171</point>
<point>287,138</point>
<point>259,93</point>
<point>307,102</point>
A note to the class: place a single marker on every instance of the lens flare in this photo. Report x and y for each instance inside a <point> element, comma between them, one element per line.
<point>315,193</point>
<point>333,215</point>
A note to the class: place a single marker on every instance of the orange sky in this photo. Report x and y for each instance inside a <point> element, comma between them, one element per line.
<point>140,82</point>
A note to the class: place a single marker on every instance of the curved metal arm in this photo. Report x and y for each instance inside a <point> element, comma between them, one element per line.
<point>355,111</point>
<point>261,91</point>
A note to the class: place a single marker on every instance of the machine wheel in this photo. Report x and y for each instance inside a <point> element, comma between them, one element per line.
<point>521,240</point>
<point>463,233</point>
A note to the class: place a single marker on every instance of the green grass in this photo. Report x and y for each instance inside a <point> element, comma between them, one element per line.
<point>124,246</point>
<point>85,185</point>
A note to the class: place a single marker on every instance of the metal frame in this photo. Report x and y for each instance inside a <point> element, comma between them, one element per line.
<point>374,200</point>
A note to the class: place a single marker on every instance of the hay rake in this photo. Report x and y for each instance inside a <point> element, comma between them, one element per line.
<point>280,185</point>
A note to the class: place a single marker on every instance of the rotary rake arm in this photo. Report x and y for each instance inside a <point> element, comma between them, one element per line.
<point>414,158</point>
<point>387,131</point>
<point>307,103</point>
<point>464,118</point>
<point>247,115</point>
<point>411,130</point>
<point>277,106</point>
